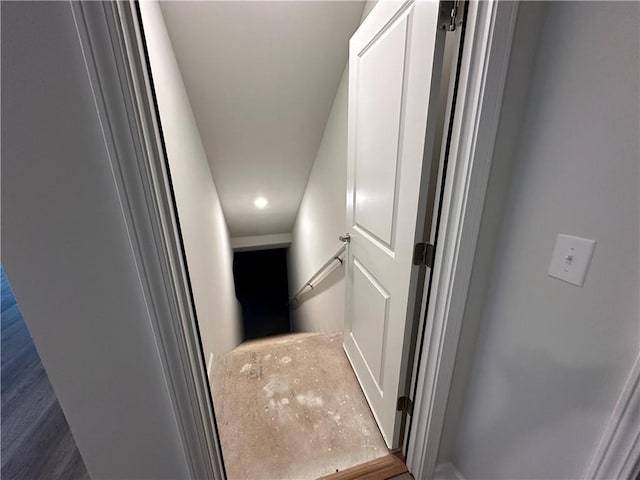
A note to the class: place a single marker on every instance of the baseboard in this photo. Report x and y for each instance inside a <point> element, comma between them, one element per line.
<point>209,364</point>
<point>447,471</point>
<point>618,452</point>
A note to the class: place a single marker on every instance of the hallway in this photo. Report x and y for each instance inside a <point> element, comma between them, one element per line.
<point>290,407</point>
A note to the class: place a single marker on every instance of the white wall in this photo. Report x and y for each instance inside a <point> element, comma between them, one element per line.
<point>203,226</point>
<point>320,220</point>
<point>67,253</point>
<point>515,98</point>
<point>551,358</point>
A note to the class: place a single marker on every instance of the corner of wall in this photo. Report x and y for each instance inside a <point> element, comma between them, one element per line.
<point>202,223</point>
<point>447,471</point>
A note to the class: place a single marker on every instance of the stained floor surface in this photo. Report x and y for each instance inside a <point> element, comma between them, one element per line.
<point>290,407</point>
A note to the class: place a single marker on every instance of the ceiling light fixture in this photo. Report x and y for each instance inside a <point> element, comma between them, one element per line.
<point>261,202</point>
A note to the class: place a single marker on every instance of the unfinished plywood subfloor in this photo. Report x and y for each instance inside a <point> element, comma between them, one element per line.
<point>290,407</point>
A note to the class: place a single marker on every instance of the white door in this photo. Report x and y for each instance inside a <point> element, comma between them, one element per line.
<point>391,78</point>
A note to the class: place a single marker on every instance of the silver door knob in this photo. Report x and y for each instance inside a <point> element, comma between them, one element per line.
<point>345,238</point>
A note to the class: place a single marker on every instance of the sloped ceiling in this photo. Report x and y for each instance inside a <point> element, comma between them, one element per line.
<point>261,78</point>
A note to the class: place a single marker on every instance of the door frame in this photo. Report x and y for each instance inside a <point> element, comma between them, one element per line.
<point>113,47</point>
<point>489,29</point>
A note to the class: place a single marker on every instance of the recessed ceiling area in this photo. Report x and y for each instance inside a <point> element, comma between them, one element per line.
<point>261,78</point>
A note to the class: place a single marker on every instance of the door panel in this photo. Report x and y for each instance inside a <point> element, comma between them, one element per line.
<point>391,64</point>
<point>371,302</point>
<point>379,68</point>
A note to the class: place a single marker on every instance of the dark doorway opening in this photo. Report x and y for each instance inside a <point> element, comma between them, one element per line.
<point>262,288</point>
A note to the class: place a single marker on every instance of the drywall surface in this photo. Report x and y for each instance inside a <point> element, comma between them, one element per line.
<point>66,249</point>
<point>514,102</point>
<point>551,358</point>
<point>368,6</point>
<point>203,226</point>
<point>320,220</point>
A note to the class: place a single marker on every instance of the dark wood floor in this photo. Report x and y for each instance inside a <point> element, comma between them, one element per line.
<point>36,440</point>
<point>388,467</point>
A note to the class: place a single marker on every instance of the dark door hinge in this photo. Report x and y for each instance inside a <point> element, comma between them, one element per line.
<point>405,405</point>
<point>423,254</point>
<point>450,15</point>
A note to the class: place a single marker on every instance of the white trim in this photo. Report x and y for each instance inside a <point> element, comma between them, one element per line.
<point>261,242</point>
<point>485,59</point>
<point>618,454</point>
<point>114,55</point>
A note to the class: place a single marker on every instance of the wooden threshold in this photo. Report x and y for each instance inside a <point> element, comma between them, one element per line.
<point>381,468</point>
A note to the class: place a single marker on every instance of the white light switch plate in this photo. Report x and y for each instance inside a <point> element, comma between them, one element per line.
<point>571,258</point>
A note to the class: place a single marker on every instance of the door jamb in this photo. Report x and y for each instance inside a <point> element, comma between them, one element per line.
<point>111,40</point>
<point>483,68</point>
